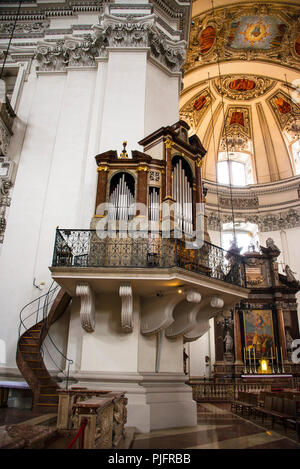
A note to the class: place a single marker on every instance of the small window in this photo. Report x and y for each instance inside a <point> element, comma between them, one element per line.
<point>234,169</point>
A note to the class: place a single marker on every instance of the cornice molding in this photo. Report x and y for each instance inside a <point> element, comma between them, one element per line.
<point>112,33</point>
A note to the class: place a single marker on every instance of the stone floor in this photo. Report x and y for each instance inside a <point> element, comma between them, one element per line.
<point>217,428</point>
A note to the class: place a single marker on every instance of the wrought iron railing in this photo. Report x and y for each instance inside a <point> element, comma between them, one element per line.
<point>37,311</point>
<point>83,248</point>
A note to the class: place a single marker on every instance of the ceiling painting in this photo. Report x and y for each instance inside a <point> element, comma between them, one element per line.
<point>243,87</point>
<point>236,134</point>
<point>206,39</point>
<point>297,45</point>
<point>262,32</point>
<point>287,114</point>
<point>196,108</point>
<point>256,32</point>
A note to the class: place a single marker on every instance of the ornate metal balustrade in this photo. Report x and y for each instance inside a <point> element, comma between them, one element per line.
<point>83,248</point>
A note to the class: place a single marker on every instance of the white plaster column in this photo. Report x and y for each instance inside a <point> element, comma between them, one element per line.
<point>124,99</point>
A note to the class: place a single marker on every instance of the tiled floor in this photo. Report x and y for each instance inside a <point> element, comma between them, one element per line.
<point>217,428</point>
<point>11,415</point>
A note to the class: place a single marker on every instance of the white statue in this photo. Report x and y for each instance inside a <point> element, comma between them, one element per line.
<point>289,274</point>
<point>228,342</point>
<point>289,341</point>
<point>271,245</point>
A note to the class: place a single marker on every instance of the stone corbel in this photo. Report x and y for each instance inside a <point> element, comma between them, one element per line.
<point>87,307</point>
<point>125,292</point>
<point>157,314</point>
<point>185,315</point>
<point>209,308</point>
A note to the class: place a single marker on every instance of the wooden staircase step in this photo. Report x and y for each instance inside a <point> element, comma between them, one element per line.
<point>23,344</point>
<point>48,395</point>
<point>47,404</point>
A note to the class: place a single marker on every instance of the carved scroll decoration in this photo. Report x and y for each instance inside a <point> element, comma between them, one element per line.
<point>87,307</point>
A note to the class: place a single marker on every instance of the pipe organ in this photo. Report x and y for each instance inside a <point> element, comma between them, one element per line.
<point>167,172</point>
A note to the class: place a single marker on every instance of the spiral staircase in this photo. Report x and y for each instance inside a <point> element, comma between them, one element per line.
<point>30,352</point>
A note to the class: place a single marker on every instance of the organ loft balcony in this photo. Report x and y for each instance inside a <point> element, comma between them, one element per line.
<point>148,238</point>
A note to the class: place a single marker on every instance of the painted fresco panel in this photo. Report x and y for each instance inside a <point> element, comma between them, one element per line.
<point>256,32</point>
<point>259,332</point>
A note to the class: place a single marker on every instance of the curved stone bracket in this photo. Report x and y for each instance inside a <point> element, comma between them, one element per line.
<point>125,292</point>
<point>157,313</point>
<point>211,306</point>
<point>87,307</point>
<point>184,315</point>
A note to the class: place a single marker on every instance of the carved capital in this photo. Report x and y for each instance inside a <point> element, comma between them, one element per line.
<point>102,168</point>
<point>169,143</point>
<point>125,293</point>
<point>87,307</point>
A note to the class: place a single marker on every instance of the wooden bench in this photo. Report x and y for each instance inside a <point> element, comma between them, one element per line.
<point>246,401</point>
<point>279,409</point>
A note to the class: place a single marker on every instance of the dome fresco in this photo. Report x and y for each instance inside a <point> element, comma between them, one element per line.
<point>257,32</point>
<point>239,95</point>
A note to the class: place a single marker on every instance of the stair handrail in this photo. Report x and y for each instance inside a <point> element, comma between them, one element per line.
<point>47,299</point>
<point>38,300</point>
<point>68,360</point>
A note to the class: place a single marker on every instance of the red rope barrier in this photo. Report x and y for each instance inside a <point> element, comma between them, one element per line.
<point>80,432</point>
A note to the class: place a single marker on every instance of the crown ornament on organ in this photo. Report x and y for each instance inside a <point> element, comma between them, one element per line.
<point>124,154</point>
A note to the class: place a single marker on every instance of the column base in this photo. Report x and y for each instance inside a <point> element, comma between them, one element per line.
<point>155,400</point>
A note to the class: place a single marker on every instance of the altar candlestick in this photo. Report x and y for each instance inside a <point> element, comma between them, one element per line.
<point>250,361</point>
<point>277,360</point>
<point>272,360</point>
<point>245,370</point>
<point>254,360</point>
<point>282,367</point>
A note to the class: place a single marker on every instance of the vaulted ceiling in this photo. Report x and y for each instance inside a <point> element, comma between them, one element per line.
<point>239,92</point>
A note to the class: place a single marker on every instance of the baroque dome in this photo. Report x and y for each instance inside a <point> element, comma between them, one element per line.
<point>241,87</point>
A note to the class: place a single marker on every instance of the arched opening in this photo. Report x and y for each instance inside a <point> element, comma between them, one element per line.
<point>235,169</point>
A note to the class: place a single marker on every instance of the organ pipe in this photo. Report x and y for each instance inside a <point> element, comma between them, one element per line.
<point>120,201</point>
<point>182,194</point>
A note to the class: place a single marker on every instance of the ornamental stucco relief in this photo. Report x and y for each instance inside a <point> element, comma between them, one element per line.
<point>243,87</point>
<point>112,32</point>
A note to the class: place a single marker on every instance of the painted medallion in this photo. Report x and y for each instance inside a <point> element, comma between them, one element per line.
<point>242,84</point>
<point>199,103</point>
<point>297,45</point>
<point>282,106</point>
<point>206,39</point>
<point>237,117</point>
